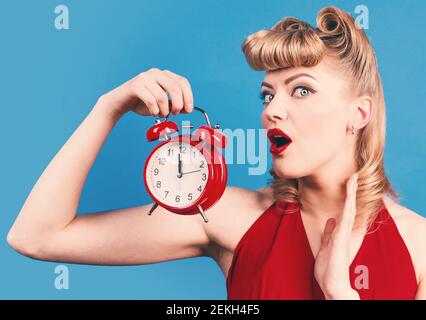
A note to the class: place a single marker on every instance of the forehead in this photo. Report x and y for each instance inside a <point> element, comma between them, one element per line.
<point>327,72</point>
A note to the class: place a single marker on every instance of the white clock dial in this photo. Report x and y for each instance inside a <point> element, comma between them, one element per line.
<point>173,184</point>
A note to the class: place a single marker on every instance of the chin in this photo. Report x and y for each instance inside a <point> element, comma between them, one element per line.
<point>284,169</point>
<point>287,168</point>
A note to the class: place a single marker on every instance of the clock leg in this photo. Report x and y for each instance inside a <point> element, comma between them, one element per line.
<point>154,206</point>
<point>200,210</point>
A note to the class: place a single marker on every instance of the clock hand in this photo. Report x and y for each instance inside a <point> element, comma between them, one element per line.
<point>179,166</point>
<point>191,171</point>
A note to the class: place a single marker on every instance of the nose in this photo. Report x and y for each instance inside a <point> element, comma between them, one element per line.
<point>275,112</point>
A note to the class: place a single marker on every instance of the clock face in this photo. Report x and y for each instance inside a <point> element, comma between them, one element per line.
<point>176,174</point>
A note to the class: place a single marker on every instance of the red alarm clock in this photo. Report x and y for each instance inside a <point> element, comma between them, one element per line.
<point>185,174</point>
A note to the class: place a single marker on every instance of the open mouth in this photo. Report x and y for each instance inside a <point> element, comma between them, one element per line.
<point>278,139</point>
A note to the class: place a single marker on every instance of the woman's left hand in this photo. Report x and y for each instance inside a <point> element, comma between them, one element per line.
<point>333,260</point>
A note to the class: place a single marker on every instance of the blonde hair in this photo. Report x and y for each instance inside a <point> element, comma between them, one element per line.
<point>295,43</point>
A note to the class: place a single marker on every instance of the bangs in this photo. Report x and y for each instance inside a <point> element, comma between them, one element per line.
<point>286,45</point>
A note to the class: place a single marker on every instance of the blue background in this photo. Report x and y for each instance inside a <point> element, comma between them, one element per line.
<point>50,79</point>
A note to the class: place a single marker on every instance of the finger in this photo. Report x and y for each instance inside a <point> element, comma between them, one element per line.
<point>147,100</point>
<point>328,231</point>
<point>160,95</point>
<point>172,87</point>
<point>188,98</point>
<point>349,209</point>
<point>351,184</point>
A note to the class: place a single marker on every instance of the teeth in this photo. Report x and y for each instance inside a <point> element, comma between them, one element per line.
<point>278,136</point>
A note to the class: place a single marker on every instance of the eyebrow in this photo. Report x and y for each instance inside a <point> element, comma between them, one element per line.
<point>290,79</point>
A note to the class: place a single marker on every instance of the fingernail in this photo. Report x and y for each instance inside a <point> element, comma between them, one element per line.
<point>190,106</point>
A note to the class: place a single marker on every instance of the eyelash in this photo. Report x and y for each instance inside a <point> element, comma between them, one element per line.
<point>262,95</point>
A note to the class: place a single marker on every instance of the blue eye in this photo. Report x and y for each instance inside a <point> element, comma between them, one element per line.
<point>304,91</point>
<point>262,96</point>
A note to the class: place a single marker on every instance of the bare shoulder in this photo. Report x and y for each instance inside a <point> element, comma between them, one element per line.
<point>407,220</point>
<point>412,227</point>
<point>237,207</point>
<point>232,216</point>
<point>241,196</point>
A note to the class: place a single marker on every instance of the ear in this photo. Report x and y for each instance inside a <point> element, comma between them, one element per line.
<point>363,112</point>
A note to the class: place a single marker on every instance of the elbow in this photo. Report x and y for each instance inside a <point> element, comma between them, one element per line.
<point>24,244</point>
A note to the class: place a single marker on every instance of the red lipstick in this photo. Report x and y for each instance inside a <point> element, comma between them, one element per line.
<point>278,139</point>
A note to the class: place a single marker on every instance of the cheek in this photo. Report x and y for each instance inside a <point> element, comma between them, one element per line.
<point>322,131</point>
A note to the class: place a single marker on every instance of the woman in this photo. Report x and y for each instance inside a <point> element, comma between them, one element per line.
<point>324,227</point>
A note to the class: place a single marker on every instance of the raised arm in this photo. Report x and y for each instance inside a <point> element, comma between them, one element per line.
<point>47,226</point>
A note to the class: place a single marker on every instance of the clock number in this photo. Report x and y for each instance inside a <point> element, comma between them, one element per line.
<point>177,199</point>
<point>162,161</point>
<point>202,164</point>
<point>182,148</point>
<point>167,192</point>
<point>170,152</point>
<point>204,177</point>
<point>199,189</point>
<point>158,184</point>
<point>156,171</point>
<point>189,196</point>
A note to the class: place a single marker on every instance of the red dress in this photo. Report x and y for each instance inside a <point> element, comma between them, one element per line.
<point>273,260</point>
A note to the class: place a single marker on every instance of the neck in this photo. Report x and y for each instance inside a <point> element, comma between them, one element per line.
<point>322,197</point>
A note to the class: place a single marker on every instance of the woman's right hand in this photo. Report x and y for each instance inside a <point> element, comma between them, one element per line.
<point>146,94</point>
